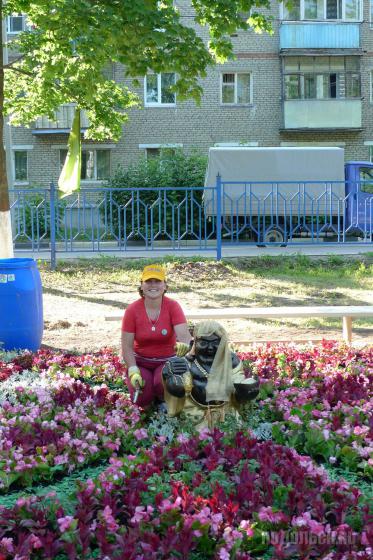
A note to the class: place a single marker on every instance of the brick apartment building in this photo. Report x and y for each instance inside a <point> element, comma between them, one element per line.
<point>310,83</point>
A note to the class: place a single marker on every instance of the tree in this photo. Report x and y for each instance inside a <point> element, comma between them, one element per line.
<point>64,55</point>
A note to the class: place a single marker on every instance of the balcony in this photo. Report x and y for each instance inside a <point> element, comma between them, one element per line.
<point>319,35</point>
<point>316,114</point>
<point>62,123</point>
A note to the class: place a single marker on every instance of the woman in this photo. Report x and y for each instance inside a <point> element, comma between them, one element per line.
<point>150,328</point>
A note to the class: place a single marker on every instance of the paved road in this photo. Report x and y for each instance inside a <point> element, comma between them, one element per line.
<point>321,249</point>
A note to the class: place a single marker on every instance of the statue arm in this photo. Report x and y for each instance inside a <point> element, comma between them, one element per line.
<point>176,377</point>
<point>245,389</point>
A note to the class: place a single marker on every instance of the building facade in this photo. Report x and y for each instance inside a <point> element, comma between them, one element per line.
<point>308,84</point>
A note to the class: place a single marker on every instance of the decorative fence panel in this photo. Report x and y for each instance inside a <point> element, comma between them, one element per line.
<point>123,220</point>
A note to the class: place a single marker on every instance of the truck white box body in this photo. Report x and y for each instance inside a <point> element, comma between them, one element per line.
<point>308,178</point>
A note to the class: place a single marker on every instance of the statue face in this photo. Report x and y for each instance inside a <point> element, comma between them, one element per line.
<point>206,347</point>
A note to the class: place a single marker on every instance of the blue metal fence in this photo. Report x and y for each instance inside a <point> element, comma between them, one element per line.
<point>123,220</point>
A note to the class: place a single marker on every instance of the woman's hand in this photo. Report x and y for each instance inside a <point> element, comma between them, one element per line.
<point>134,375</point>
<point>181,348</point>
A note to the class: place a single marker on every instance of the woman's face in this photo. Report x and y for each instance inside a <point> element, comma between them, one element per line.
<point>152,288</point>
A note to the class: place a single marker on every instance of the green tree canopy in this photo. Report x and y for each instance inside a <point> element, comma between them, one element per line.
<point>64,55</point>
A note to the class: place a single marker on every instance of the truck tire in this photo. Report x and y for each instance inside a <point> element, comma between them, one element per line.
<point>275,235</point>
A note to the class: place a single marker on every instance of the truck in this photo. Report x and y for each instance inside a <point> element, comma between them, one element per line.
<point>282,194</point>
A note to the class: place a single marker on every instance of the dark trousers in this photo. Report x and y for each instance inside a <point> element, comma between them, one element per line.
<point>151,372</point>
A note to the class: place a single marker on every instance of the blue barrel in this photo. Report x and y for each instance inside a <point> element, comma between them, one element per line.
<point>21,305</point>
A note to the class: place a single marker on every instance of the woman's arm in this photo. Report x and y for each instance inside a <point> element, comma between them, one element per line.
<point>182,333</point>
<point>127,348</point>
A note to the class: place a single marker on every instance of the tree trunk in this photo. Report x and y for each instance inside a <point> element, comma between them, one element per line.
<point>6,243</point>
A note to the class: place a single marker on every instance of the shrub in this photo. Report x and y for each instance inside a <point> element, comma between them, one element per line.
<point>153,214</point>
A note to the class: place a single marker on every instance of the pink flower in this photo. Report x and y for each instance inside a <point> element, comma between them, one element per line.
<point>361,430</point>
<point>35,542</point>
<point>64,523</point>
<point>315,527</point>
<point>224,554</point>
<point>204,434</point>
<point>140,434</point>
<point>7,544</point>
<point>326,434</point>
<point>302,520</point>
<point>246,527</point>
<point>166,505</point>
<point>111,524</point>
<point>295,420</point>
<point>267,514</point>
<point>21,502</point>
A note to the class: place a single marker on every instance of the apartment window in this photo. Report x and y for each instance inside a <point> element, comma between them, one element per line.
<point>16,23</point>
<point>158,89</point>
<point>322,10</point>
<point>236,88</point>
<point>20,166</point>
<point>323,77</point>
<point>371,14</point>
<point>163,151</point>
<point>314,9</point>
<point>95,164</point>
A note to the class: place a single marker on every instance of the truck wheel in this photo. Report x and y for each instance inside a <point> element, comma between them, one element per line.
<point>275,235</point>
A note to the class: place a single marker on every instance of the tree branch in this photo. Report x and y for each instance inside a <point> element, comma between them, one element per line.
<point>19,70</point>
<point>13,61</point>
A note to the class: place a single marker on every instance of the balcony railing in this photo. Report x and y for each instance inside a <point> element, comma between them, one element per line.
<point>319,35</point>
<point>322,113</point>
<point>63,120</point>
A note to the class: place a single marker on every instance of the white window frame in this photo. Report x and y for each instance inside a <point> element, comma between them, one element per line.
<point>235,103</point>
<point>324,19</point>
<point>20,148</point>
<point>159,90</point>
<point>24,24</point>
<point>93,149</point>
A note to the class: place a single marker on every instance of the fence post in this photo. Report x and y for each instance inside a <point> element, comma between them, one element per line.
<point>52,218</point>
<point>218,217</point>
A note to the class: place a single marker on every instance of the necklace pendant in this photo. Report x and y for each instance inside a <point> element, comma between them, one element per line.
<point>153,328</point>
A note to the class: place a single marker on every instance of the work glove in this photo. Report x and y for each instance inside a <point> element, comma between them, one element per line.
<point>134,375</point>
<point>181,348</point>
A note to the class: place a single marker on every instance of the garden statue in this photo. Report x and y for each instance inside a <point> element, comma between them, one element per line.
<point>209,381</point>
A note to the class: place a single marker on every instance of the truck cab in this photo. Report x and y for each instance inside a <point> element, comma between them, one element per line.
<point>359,197</point>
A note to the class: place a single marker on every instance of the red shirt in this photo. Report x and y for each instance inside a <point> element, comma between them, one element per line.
<point>160,342</point>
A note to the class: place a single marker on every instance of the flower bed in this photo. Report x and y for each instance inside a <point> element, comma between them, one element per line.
<point>51,431</point>
<point>104,366</point>
<point>208,496</point>
<point>222,496</point>
<point>319,401</point>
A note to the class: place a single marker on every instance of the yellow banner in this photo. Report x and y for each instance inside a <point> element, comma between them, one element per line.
<point>69,180</point>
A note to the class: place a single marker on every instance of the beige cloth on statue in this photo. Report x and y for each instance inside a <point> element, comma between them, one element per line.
<point>219,384</point>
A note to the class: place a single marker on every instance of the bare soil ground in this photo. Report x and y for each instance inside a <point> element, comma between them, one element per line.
<point>77,298</point>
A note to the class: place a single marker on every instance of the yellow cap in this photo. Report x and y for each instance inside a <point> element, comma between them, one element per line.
<point>155,271</point>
